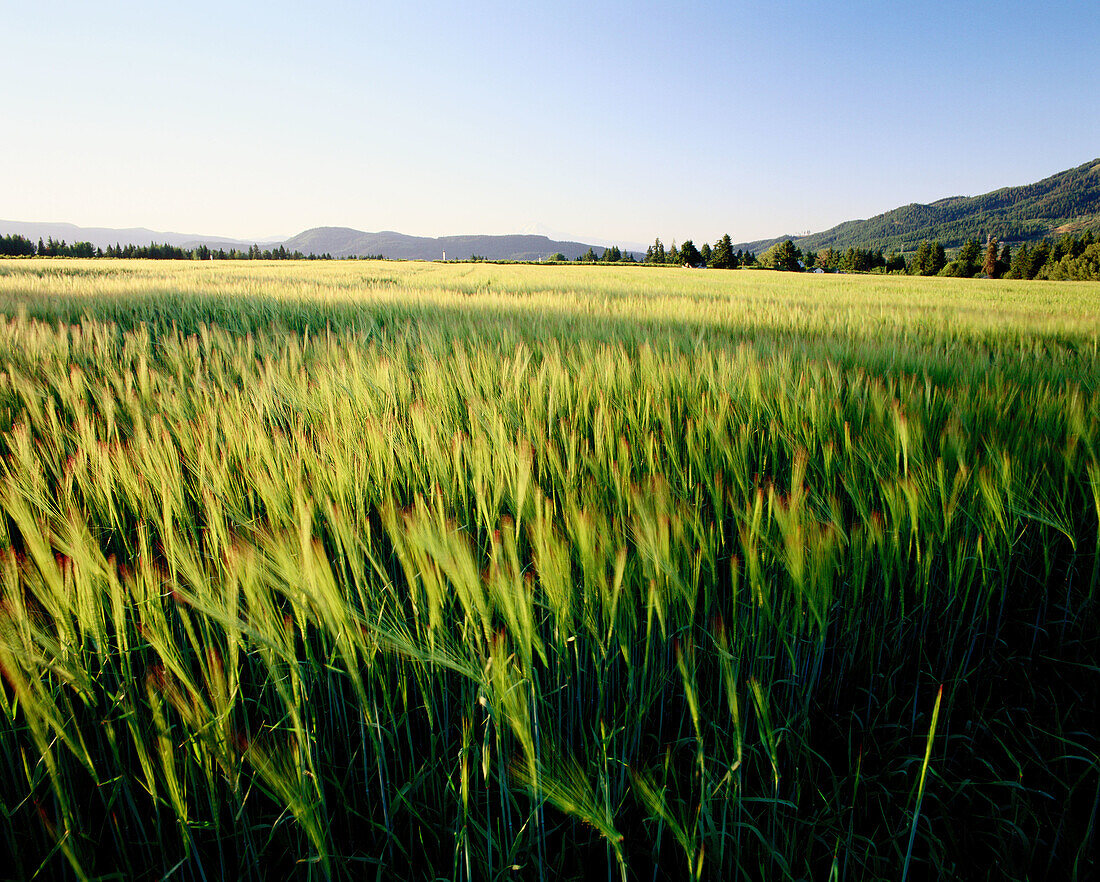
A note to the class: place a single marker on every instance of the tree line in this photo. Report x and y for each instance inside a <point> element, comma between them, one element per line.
<point>781,256</point>
<point>614,254</point>
<point>1070,257</point>
<point>720,256</point>
<point>20,246</point>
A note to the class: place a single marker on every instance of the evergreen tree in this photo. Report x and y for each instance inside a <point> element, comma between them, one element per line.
<point>939,258</point>
<point>689,254</point>
<point>16,246</point>
<point>783,256</point>
<point>722,257</point>
<point>705,254</point>
<point>920,259</point>
<point>928,260</point>
<point>1019,263</point>
<point>990,264</point>
<point>968,258</point>
<point>1038,258</point>
<point>1080,267</point>
<point>1062,248</point>
<point>656,252</point>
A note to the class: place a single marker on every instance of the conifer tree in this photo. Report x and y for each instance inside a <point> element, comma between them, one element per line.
<point>689,254</point>
<point>722,257</point>
<point>990,264</point>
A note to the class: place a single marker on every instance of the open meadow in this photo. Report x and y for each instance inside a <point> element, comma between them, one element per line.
<point>372,569</point>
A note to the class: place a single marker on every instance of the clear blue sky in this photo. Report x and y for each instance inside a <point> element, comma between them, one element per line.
<point>615,121</point>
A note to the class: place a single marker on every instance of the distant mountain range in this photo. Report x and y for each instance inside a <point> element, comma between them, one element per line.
<point>1062,203</point>
<point>1065,202</point>
<point>337,241</point>
<point>102,237</point>
<point>345,242</point>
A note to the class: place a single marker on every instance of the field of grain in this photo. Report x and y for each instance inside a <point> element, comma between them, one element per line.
<point>372,569</point>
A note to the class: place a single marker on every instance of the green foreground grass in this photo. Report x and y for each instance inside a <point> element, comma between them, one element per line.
<point>476,572</point>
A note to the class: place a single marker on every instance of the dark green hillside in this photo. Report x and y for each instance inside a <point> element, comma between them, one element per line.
<point>1064,202</point>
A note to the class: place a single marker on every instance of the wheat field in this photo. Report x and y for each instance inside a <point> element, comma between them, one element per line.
<point>370,569</point>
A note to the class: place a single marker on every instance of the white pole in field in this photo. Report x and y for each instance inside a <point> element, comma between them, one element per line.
<point>444,256</point>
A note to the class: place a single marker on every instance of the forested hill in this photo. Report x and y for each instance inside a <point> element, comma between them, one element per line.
<point>1062,203</point>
